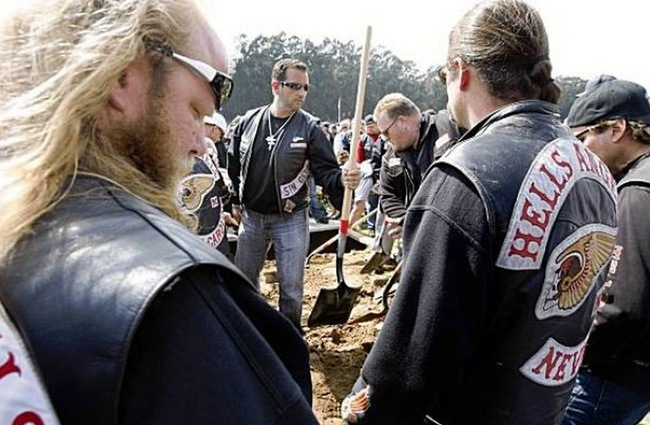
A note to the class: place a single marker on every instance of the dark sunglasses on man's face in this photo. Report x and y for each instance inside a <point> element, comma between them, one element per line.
<point>295,86</point>
<point>221,84</point>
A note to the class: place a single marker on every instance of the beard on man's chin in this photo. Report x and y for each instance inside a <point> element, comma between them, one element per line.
<point>149,146</point>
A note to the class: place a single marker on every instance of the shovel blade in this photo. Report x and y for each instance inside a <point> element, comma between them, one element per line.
<point>333,306</point>
<point>372,263</point>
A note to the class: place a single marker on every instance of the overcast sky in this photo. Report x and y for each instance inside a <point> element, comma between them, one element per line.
<point>586,37</point>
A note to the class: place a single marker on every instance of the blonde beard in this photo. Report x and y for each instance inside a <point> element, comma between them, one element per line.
<point>143,158</point>
<point>148,144</point>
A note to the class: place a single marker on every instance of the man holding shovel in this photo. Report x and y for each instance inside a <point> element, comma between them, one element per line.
<point>506,244</point>
<point>274,150</point>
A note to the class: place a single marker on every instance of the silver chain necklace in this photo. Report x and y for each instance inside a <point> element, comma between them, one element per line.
<point>274,137</point>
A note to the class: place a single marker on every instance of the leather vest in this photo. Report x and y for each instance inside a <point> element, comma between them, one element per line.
<point>638,175</point>
<point>80,283</point>
<point>202,194</point>
<point>551,207</point>
<point>289,156</point>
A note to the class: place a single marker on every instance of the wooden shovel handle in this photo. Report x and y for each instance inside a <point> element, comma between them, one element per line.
<point>356,125</point>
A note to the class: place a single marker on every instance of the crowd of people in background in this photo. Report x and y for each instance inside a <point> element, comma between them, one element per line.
<point>524,296</point>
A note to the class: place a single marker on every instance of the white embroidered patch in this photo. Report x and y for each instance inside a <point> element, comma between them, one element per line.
<point>22,398</point>
<point>193,190</point>
<point>289,189</point>
<point>554,364</point>
<point>214,239</point>
<point>572,269</point>
<point>298,145</point>
<point>554,172</point>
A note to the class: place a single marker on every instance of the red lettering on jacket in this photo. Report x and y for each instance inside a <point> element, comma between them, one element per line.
<point>27,418</point>
<point>554,364</point>
<point>9,366</point>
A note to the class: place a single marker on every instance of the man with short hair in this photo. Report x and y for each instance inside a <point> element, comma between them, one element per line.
<point>613,386</point>
<point>414,142</point>
<point>275,148</point>
<point>131,318</point>
<point>505,246</point>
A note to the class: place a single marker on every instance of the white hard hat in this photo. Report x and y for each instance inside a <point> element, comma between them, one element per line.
<point>218,120</point>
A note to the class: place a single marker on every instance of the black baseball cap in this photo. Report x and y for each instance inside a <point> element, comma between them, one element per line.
<point>368,119</point>
<point>610,99</point>
<point>595,82</point>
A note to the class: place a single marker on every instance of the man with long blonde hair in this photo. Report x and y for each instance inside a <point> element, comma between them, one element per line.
<point>130,317</point>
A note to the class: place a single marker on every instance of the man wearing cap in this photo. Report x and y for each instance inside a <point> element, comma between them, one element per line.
<point>215,126</point>
<point>595,82</point>
<point>204,192</point>
<point>613,386</point>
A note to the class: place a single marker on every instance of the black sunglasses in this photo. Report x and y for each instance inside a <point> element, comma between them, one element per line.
<point>221,84</point>
<point>295,86</point>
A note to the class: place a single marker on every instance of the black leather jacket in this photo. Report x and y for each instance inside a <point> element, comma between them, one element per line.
<point>80,285</point>
<point>297,154</point>
<point>401,172</point>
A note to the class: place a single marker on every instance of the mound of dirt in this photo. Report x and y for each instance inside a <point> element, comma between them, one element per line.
<point>337,352</point>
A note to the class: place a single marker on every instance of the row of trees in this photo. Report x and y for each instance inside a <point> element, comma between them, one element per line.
<point>334,73</point>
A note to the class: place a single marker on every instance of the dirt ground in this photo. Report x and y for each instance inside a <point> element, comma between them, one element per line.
<point>336,351</point>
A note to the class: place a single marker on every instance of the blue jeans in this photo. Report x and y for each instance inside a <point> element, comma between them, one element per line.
<point>596,401</point>
<point>315,207</point>
<point>290,238</point>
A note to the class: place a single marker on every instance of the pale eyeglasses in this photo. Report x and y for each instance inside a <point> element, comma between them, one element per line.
<point>582,134</point>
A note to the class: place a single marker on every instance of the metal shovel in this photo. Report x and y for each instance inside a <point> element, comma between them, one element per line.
<point>333,306</point>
